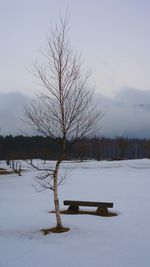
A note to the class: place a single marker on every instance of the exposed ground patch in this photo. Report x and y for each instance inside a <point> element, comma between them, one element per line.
<point>55,230</point>
<point>86,212</point>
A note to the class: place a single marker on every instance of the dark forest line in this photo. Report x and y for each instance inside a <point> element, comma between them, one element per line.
<point>25,147</point>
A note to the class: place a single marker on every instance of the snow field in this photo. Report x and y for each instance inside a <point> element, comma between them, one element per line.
<point>120,241</point>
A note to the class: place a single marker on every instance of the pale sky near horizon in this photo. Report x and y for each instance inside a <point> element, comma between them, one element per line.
<point>112,35</point>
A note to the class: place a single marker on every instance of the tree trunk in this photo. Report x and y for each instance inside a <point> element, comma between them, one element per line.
<point>56,200</point>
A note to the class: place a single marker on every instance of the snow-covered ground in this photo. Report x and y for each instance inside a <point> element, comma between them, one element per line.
<point>120,241</point>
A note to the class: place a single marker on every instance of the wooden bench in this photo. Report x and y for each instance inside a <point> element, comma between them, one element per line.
<point>102,207</point>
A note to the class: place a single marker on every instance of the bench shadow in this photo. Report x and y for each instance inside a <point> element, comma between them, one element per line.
<point>83,212</point>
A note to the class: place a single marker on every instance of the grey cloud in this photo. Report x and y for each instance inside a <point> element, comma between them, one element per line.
<point>125,114</point>
<point>12,113</point>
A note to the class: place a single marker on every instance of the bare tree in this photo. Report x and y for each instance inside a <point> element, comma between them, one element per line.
<point>65,106</point>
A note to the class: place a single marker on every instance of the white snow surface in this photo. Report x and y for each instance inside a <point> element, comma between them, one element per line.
<point>119,241</point>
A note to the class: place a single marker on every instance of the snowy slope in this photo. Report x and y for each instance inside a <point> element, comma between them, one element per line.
<point>120,241</point>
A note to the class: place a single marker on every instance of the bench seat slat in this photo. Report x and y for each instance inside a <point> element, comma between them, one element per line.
<point>88,203</point>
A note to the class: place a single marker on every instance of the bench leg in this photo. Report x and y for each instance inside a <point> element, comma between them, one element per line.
<point>102,211</point>
<point>73,209</point>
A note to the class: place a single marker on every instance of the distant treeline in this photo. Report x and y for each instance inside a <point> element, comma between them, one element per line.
<point>24,147</point>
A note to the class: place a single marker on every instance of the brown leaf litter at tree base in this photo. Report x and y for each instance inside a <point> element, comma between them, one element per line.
<point>57,230</point>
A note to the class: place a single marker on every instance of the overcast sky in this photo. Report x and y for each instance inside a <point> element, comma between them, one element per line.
<point>113,37</point>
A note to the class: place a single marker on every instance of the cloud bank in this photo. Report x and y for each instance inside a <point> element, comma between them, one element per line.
<point>12,113</point>
<point>126,114</point>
